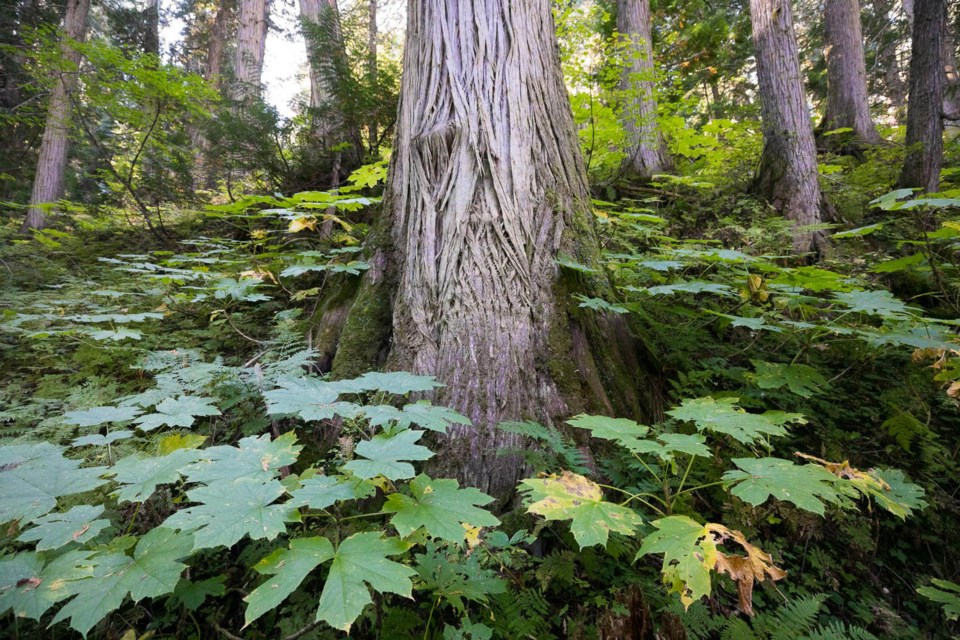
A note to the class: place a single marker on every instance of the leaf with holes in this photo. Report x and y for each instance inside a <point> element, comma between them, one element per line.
<point>55,530</point>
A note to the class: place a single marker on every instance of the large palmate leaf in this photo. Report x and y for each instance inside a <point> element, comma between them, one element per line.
<point>256,458</point>
<point>689,554</point>
<point>723,416</point>
<point>879,303</point>
<point>667,445</point>
<point>422,414</point>
<point>309,399</point>
<point>55,530</point>
<point>100,415</point>
<point>573,497</point>
<point>389,456</point>
<point>320,492</point>
<point>152,571</point>
<point>138,477</point>
<point>287,568</point>
<point>228,511</point>
<point>179,412</point>
<point>395,382</point>
<point>441,507</point>
<point>801,379</point>
<point>32,477</point>
<point>30,588</point>
<point>809,487</point>
<point>362,559</point>
<point>624,432</point>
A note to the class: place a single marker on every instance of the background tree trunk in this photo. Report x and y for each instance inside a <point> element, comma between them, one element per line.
<point>373,35</point>
<point>848,104</point>
<point>927,82</point>
<point>646,150</point>
<point>52,162</point>
<point>487,188</point>
<point>951,90</point>
<point>217,43</point>
<point>787,176</point>
<point>151,27</point>
<point>251,47</point>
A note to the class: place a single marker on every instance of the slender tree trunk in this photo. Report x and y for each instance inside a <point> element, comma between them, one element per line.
<point>151,27</point>
<point>787,176</point>
<point>646,150</point>
<point>951,91</point>
<point>373,35</point>
<point>921,169</point>
<point>218,41</point>
<point>327,55</point>
<point>848,105</point>
<point>52,162</point>
<point>487,188</point>
<point>251,47</point>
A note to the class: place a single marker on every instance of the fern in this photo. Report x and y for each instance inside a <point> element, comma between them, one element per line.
<point>522,614</point>
<point>793,619</point>
<point>565,454</point>
<point>840,631</point>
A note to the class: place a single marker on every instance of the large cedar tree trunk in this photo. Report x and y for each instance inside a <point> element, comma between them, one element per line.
<point>486,189</point>
<point>251,47</point>
<point>787,176</point>
<point>52,162</point>
<point>848,105</point>
<point>327,55</point>
<point>646,150</point>
<point>921,169</point>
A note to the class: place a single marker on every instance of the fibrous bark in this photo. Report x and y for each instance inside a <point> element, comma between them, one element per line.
<point>787,176</point>
<point>646,150</point>
<point>486,189</point>
<point>848,105</point>
<point>921,169</point>
<point>251,47</point>
<point>217,43</point>
<point>52,161</point>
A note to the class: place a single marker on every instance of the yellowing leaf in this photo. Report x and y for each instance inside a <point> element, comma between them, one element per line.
<point>756,566</point>
<point>299,224</point>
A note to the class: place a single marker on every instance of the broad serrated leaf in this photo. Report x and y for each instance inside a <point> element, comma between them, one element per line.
<point>179,412</point>
<point>667,445</point>
<point>395,382</point>
<point>308,398</point>
<point>255,457</point>
<point>879,303</point>
<point>100,415</point>
<point>621,430</point>
<point>801,379</point>
<point>138,477</point>
<point>288,567</point>
<point>193,594</point>
<point>689,554</point>
<point>228,511</point>
<point>100,440</point>
<point>944,593</point>
<point>809,487</point>
<point>723,416</point>
<point>320,492</point>
<point>441,507</point>
<point>32,477</point>
<point>55,530</point>
<point>30,588</point>
<point>360,560</point>
<point>573,497</point>
<point>389,456</point>
<point>429,416</point>
<point>153,571</point>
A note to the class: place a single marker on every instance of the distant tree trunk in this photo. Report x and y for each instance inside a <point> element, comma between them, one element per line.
<point>848,105</point>
<point>218,42</point>
<point>951,91</point>
<point>327,55</point>
<point>52,162</point>
<point>894,85</point>
<point>646,150</point>
<point>921,169</point>
<point>787,176</point>
<point>487,189</point>
<point>251,47</point>
<point>373,35</point>
<point>151,27</point>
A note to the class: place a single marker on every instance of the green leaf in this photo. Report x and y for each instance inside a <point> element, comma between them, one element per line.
<point>440,507</point>
<point>599,304</point>
<point>812,278</point>
<point>879,303</point>
<point>138,477</point>
<point>362,558</point>
<point>100,415</point>
<point>570,263</point>
<point>689,554</point>
<point>858,232</point>
<point>100,440</point>
<point>621,430</point>
<point>695,286</point>
<point>320,492</point>
<point>432,417</point>
<point>309,398</point>
<point>153,571</point>
<point>228,511</point>
<point>723,416</point>
<point>30,588</point>
<point>669,444</point>
<point>32,477</point>
<point>944,593</point>
<point>258,458</point>
<point>900,264</point>
<point>900,496</point>
<point>55,530</point>
<point>389,456</point>
<point>288,568</point>
<point>179,412</point>
<point>395,382</point>
<point>801,379</point>
<point>193,594</point>
<point>573,497</point>
<point>808,486</point>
